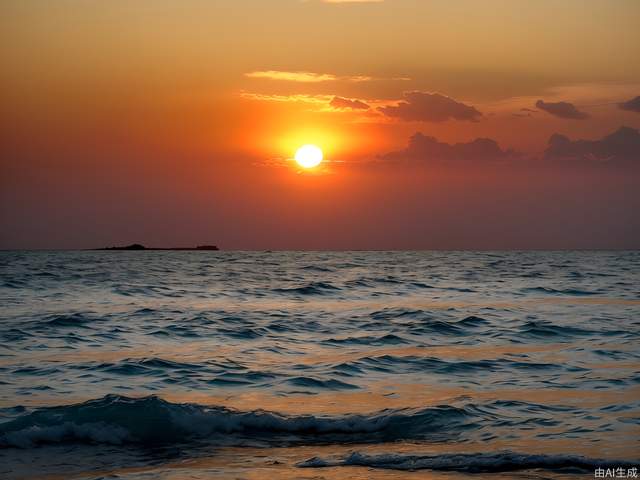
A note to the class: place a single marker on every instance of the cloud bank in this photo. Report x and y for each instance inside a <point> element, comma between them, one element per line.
<point>621,148</point>
<point>430,107</point>
<point>423,148</point>
<point>623,145</point>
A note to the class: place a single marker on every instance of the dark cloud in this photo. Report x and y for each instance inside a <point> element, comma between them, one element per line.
<point>424,148</point>
<point>430,107</point>
<point>632,105</point>
<point>340,102</point>
<point>623,145</point>
<point>562,110</point>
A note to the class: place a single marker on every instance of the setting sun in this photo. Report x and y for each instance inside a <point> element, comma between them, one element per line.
<point>309,156</point>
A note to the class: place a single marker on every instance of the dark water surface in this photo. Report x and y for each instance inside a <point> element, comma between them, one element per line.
<point>318,365</point>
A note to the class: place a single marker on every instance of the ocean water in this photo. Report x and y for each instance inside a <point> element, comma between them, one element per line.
<point>318,365</point>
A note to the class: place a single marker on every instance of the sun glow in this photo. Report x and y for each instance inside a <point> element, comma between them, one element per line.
<point>308,156</point>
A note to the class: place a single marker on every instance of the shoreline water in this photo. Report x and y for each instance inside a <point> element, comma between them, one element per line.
<point>247,365</point>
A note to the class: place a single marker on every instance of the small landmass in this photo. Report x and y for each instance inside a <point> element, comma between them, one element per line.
<point>137,246</point>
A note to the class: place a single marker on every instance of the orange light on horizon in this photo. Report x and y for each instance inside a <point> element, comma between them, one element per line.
<point>330,141</point>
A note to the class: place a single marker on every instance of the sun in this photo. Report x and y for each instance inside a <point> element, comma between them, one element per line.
<point>309,156</point>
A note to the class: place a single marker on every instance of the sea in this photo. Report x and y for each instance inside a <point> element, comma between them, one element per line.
<point>319,365</point>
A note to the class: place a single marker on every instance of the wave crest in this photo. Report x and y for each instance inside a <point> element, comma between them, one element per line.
<point>116,419</point>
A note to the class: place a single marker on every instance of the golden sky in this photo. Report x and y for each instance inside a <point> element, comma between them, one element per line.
<point>161,102</point>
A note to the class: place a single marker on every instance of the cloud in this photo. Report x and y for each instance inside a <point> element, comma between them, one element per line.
<point>299,98</point>
<point>292,76</point>
<point>632,105</point>
<point>321,102</point>
<point>305,77</point>
<point>621,145</point>
<point>346,103</point>
<point>430,107</point>
<point>561,109</point>
<point>423,148</point>
<point>618,149</point>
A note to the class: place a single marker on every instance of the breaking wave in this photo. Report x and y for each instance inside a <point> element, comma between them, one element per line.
<point>117,420</point>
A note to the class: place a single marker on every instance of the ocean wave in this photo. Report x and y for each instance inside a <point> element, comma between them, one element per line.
<point>420,322</point>
<point>313,288</point>
<point>242,378</point>
<point>243,333</point>
<point>330,384</point>
<point>473,321</point>
<point>541,329</point>
<point>144,366</point>
<point>388,339</point>
<point>118,420</point>
<point>317,268</point>
<point>399,312</point>
<point>438,327</point>
<point>72,320</point>
<point>397,364</point>
<point>470,462</point>
<point>176,330</point>
<point>14,335</point>
<point>558,291</point>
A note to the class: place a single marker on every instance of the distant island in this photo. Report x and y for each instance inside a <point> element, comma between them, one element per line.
<point>137,246</point>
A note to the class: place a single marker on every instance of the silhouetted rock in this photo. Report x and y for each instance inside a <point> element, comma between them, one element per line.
<point>133,246</point>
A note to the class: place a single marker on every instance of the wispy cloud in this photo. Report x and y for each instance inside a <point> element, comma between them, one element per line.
<point>319,103</point>
<point>298,98</point>
<point>292,76</point>
<point>305,77</point>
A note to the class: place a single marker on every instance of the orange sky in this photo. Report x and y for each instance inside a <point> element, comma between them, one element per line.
<point>174,122</point>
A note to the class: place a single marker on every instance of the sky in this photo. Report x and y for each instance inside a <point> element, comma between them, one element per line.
<point>501,124</point>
